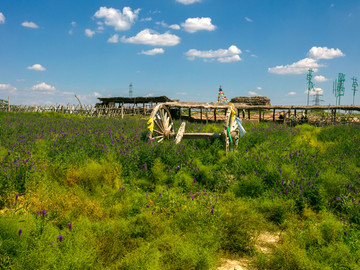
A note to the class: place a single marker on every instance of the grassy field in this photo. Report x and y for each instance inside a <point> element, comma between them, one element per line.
<point>93,193</point>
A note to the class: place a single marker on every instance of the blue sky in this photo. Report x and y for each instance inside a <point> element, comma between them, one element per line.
<point>51,50</point>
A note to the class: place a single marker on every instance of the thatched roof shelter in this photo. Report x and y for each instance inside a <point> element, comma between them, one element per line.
<point>133,100</point>
<point>252,101</point>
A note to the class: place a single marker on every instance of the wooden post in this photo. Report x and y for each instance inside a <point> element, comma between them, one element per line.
<point>122,110</point>
<point>189,113</point>
<point>200,113</point>
<point>295,113</point>
<point>249,114</point>
<point>259,116</point>
<point>206,115</point>
<point>273,115</point>
<point>180,113</point>
<point>243,113</point>
<point>215,115</point>
<point>144,113</point>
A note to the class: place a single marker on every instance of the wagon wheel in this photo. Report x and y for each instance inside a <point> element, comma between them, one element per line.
<point>163,124</point>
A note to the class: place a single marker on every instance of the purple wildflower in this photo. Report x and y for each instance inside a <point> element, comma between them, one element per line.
<point>70,227</point>
<point>160,194</point>
<point>345,233</point>
<point>20,232</point>
<point>43,212</point>
<point>60,238</point>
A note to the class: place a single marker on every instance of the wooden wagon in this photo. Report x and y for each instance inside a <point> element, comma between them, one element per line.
<point>161,124</point>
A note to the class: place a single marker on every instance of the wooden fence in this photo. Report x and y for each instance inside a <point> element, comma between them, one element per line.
<point>318,115</point>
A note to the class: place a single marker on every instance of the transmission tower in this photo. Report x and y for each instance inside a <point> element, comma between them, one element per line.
<point>340,87</point>
<point>310,84</point>
<point>317,97</point>
<point>130,90</point>
<point>354,88</point>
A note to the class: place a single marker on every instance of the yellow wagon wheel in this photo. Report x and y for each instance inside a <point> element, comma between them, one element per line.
<point>163,125</point>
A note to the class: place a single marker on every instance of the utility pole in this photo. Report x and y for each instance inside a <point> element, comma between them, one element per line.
<point>130,89</point>
<point>310,84</point>
<point>354,88</point>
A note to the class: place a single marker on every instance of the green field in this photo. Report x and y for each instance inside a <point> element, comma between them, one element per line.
<point>94,193</point>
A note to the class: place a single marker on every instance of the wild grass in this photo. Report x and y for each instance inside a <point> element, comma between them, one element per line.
<point>81,193</point>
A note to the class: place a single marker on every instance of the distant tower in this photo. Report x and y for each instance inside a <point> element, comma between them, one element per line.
<point>317,99</point>
<point>221,97</point>
<point>354,88</point>
<point>339,87</point>
<point>310,84</point>
<point>130,90</point>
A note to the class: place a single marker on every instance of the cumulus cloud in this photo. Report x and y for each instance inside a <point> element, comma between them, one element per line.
<point>43,87</point>
<point>113,39</point>
<point>324,53</point>
<point>120,20</point>
<point>299,67</point>
<point>248,19</point>
<point>150,37</point>
<point>37,67</point>
<point>222,55</point>
<point>95,94</point>
<point>229,59</point>
<point>2,18</point>
<point>259,88</point>
<point>174,26</point>
<point>30,25</point>
<point>291,93</point>
<point>89,32</point>
<point>192,25</point>
<point>302,66</point>
<point>188,2</point>
<point>252,93</point>
<point>153,51</point>
<point>148,19</point>
<point>320,78</point>
<point>7,88</point>
<point>315,91</point>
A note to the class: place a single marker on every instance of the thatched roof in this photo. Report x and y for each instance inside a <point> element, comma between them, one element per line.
<point>258,100</point>
<point>133,100</point>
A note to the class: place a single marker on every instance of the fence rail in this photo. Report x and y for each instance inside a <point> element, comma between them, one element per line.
<point>319,115</point>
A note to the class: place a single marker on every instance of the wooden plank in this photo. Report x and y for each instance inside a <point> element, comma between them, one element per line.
<point>201,135</point>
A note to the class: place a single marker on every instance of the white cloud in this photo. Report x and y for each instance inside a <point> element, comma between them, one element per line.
<point>303,65</point>
<point>320,78</point>
<point>73,24</point>
<point>259,88</point>
<point>192,25</point>
<point>37,67</point>
<point>315,91</point>
<point>222,55</point>
<point>43,87</point>
<point>89,32</point>
<point>113,39</point>
<point>324,53</point>
<point>95,94</point>
<point>150,37</point>
<point>30,25</point>
<point>148,19</point>
<point>252,93</point>
<point>2,18</point>
<point>248,19</point>
<point>153,51</point>
<point>174,26</point>
<point>229,59</point>
<point>7,88</point>
<point>299,67</point>
<point>188,2</point>
<point>149,95</point>
<point>117,19</point>
<point>291,93</point>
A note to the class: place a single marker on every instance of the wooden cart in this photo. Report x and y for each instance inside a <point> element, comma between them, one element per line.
<point>161,124</point>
